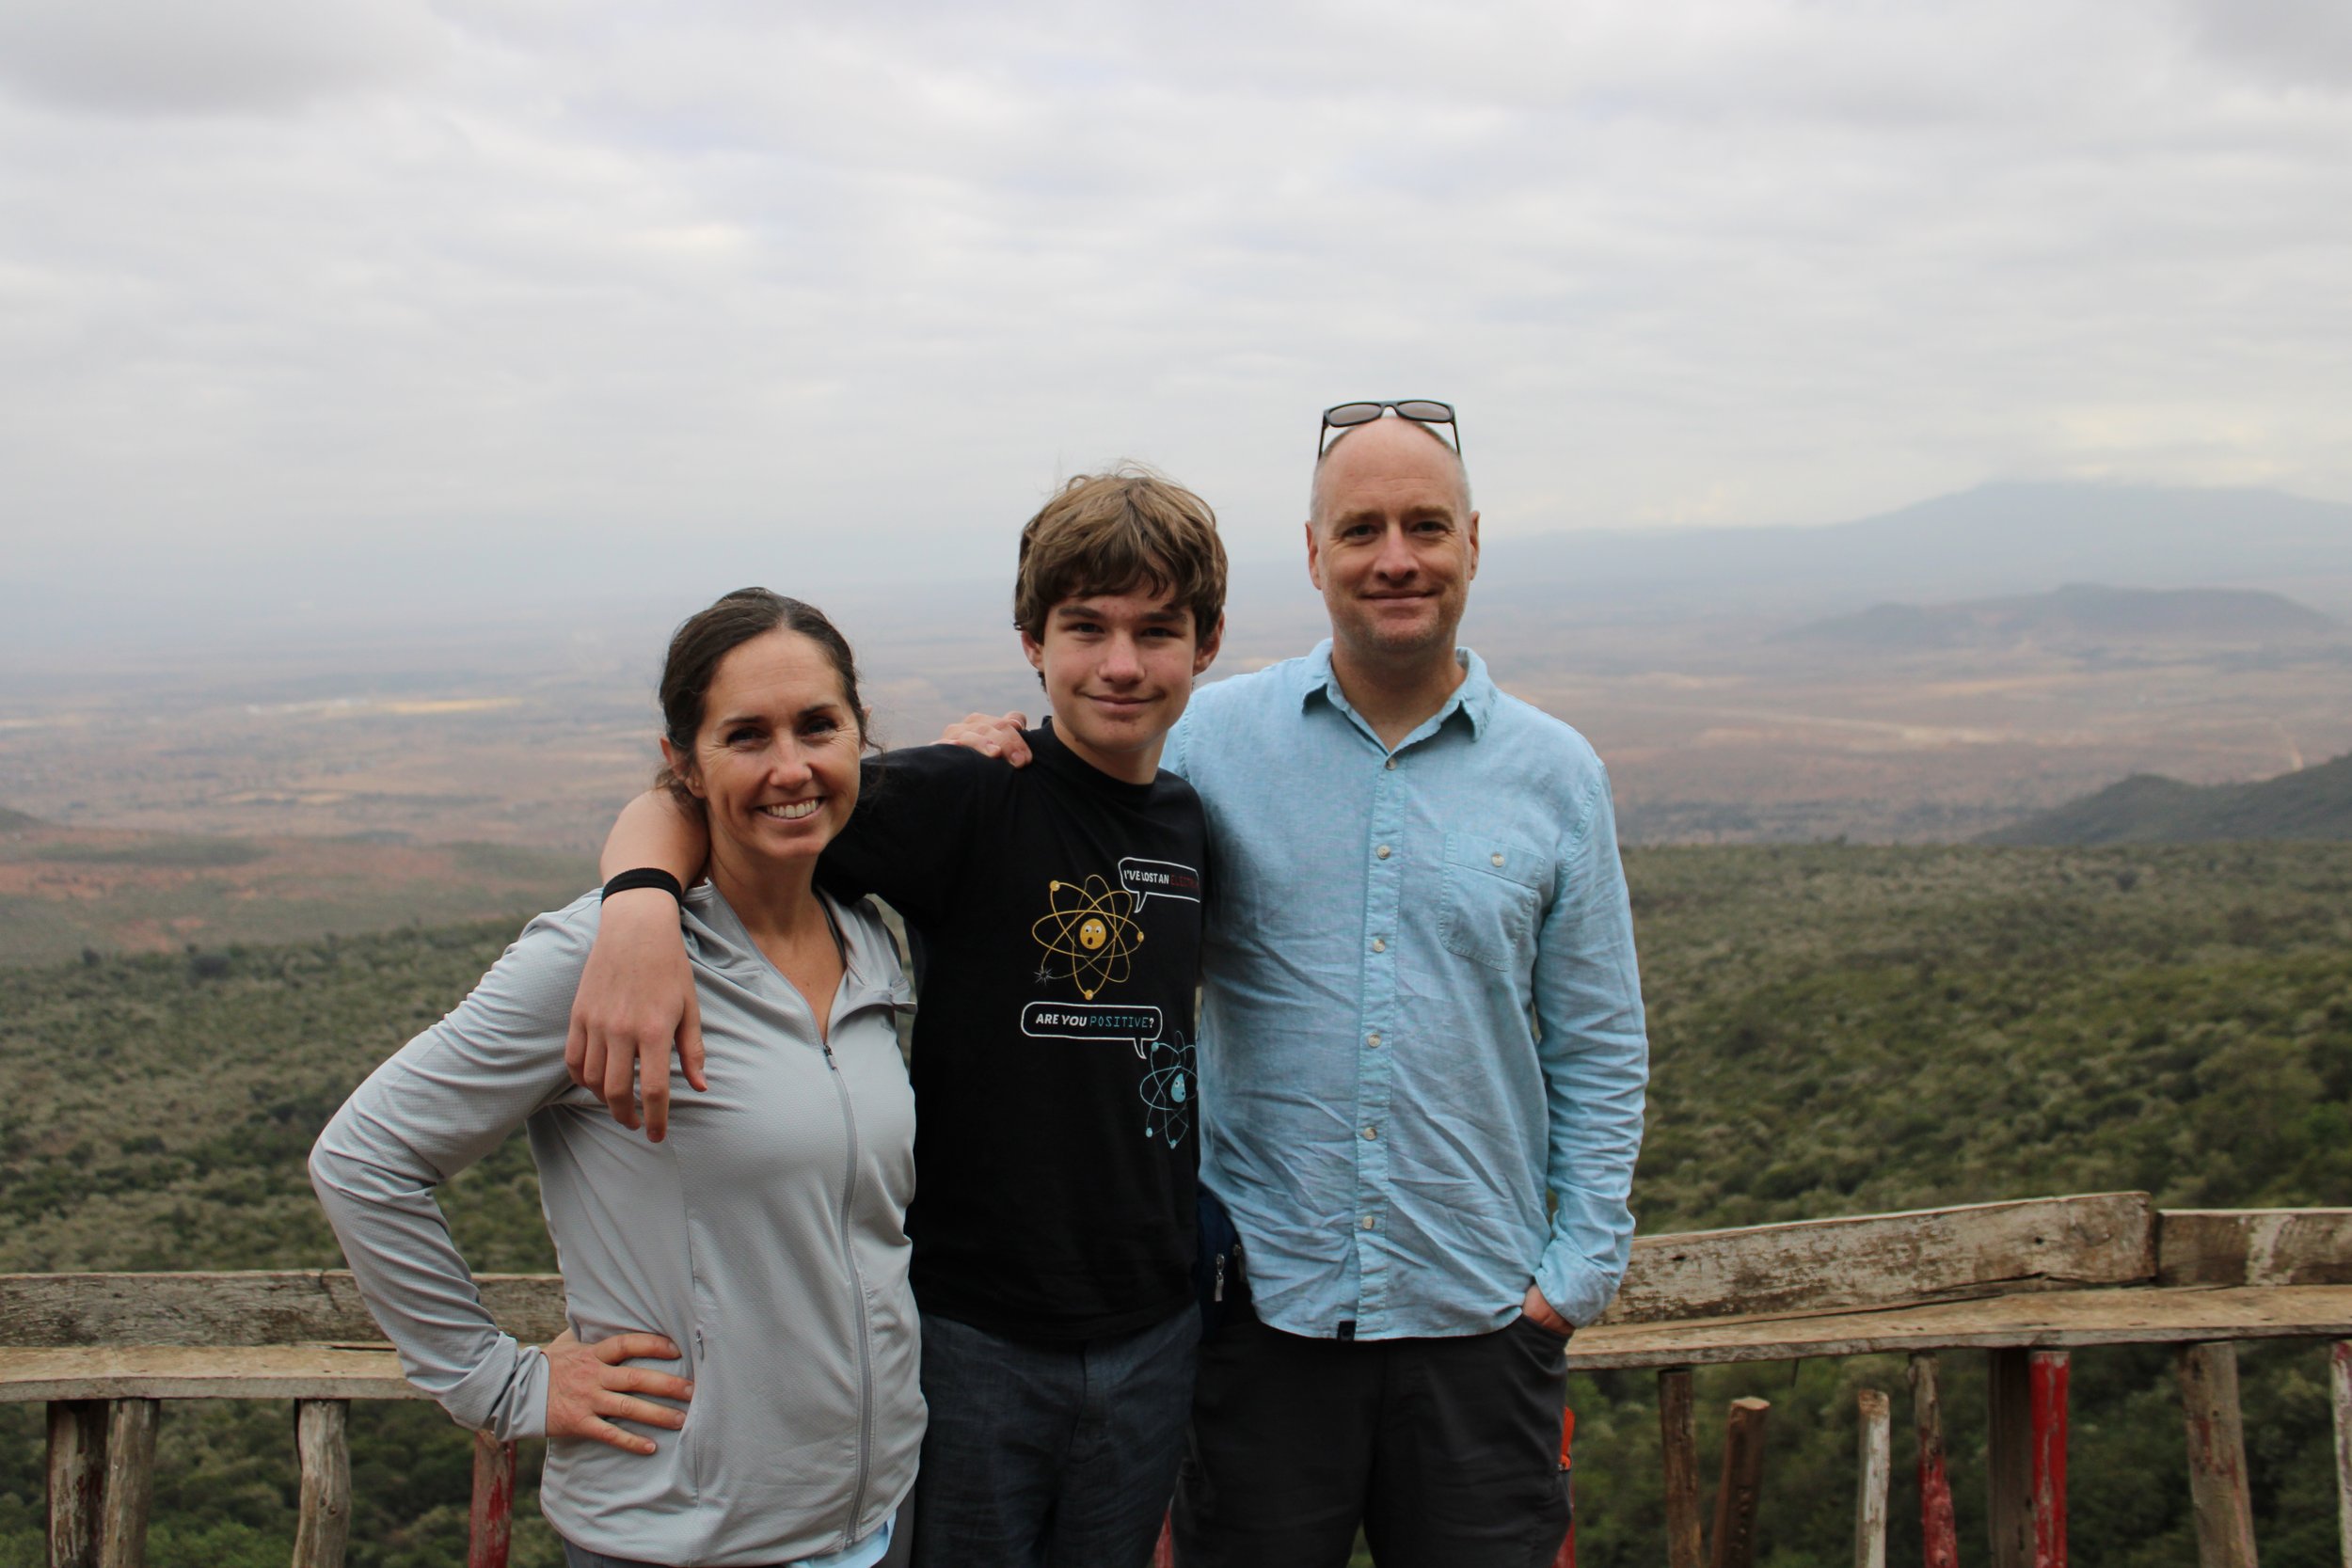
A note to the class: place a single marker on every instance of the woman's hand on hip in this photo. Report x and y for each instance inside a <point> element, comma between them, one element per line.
<point>588,1388</point>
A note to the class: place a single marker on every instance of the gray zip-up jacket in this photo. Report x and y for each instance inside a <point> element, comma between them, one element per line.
<point>764,1237</point>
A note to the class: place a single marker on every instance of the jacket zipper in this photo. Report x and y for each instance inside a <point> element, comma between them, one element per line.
<point>857,1284</point>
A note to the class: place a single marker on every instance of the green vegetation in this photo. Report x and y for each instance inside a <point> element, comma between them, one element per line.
<point>1836,1031</point>
<point>2311,803</point>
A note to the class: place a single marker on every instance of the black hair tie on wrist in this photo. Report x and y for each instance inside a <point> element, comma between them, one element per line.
<point>645,876</point>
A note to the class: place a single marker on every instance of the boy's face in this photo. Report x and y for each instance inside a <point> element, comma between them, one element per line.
<point>1117,669</point>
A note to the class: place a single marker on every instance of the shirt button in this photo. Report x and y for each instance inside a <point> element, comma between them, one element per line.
<point>1373,1041</point>
<point>1382,851</point>
<point>1379,946</point>
<point>1392,764</point>
<point>1366,1223</point>
<point>1497,859</point>
<point>1372,1132</point>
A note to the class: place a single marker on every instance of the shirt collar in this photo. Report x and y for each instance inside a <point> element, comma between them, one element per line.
<point>1474,698</point>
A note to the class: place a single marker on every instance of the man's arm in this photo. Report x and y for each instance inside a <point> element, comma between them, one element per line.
<point>637,993</point>
<point>1595,1052</point>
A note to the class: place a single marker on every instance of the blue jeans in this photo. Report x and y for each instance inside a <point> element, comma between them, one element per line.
<point>1043,1455</point>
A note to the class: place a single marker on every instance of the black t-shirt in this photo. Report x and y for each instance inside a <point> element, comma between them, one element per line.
<point>1056,915</point>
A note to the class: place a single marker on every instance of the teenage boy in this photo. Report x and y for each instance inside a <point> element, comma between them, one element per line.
<point>1055,913</point>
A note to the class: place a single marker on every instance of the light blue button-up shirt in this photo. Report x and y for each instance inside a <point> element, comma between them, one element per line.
<point>1421,1012</point>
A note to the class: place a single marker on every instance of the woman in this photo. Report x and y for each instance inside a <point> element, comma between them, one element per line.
<point>761,1245</point>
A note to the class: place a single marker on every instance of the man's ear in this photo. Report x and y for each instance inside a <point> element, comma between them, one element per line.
<point>1474,544</point>
<point>1314,561</point>
<point>1204,652</point>
<point>1034,650</point>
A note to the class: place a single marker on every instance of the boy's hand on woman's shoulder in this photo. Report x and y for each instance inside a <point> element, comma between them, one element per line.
<point>994,734</point>
<point>636,996</point>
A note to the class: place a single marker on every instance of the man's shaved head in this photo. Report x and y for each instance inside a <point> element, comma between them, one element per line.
<point>1378,432</point>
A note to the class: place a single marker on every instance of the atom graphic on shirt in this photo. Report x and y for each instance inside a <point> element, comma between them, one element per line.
<point>1170,1091</point>
<point>1090,926</point>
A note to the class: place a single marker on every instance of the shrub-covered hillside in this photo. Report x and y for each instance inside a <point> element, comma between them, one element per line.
<point>1836,1031</point>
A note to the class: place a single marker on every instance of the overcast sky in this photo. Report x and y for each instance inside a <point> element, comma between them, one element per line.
<point>354,281</point>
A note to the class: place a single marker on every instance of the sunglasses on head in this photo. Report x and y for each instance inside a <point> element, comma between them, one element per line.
<point>1345,416</point>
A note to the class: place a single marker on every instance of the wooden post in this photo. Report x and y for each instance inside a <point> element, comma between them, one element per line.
<point>493,1520</point>
<point>2009,1458</point>
<point>130,1483</point>
<point>1742,1483</point>
<point>1939,1533</point>
<point>2339,1381</point>
<point>2217,1456</point>
<point>1678,1446</point>
<point>77,1473</point>
<point>323,1527</point>
<point>1565,1556</point>
<point>2048,1372</point>
<point>1877,1465</point>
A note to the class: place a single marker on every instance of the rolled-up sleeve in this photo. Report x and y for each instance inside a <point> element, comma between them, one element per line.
<point>447,1099</point>
<point>1593,1047</point>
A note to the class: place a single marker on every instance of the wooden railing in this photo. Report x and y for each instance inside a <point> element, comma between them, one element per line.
<point>2025,1282</point>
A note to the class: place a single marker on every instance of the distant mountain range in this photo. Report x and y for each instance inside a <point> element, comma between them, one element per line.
<point>2079,614</point>
<point>2313,803</point>
<point>16,821</point>
<point>1995,540</point>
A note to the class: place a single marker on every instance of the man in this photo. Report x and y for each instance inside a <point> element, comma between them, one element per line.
<point>1423,1027</point>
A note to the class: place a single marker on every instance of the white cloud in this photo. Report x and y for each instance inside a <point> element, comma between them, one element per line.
<point>210,57</point>
<point>731,269</point>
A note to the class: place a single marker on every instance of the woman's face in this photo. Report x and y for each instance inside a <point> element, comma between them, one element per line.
<point>777,758</point>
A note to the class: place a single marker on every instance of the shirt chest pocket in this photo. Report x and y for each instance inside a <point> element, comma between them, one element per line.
<point>1493,895</point>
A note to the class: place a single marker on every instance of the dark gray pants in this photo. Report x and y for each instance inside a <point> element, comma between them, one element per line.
<point>1050,1455</point>
<point>1447,1452</point>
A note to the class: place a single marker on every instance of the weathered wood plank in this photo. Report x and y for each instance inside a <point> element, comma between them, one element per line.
<point>2051,1321</point>
<point>187,1372</point>
<point>2254,1246</point>
<point>2217,1488</point>
<point>493,1513</point>
<point>1879,1260</point>
<point>323,1452</point>
<point>128,1488</point>
<point>1678,1450</point>
<point>2340,1390</point>
<point>77,1478</point>
<point>278,1308</point>
<point>1939,1532</point>
<point>1878,1474</point>
<point>1742,1487</point>
<point>2008,1457</point>
<point>2048,1372</point>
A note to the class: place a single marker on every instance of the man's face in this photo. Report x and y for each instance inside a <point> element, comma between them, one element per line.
<point>1393,546</point>
<point>1118,669</point>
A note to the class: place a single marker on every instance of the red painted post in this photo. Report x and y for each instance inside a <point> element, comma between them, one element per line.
<point>2047,1372</point>
<point>493,1520</point>
<point>1939,1532</point>
<point>1566,1557</point>
<point>1164,1555</point>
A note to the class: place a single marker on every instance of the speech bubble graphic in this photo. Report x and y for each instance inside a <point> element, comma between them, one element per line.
<point>1148,879</point>
<point>1077,1020</point>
